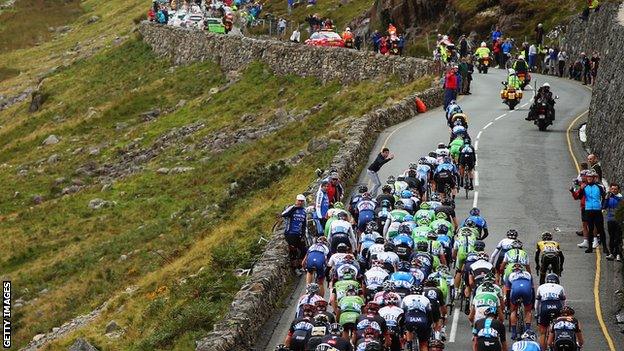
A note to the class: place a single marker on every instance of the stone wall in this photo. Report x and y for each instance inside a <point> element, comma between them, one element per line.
<point>604,32</point>
<point>256,301</point>
<point>233,52</point>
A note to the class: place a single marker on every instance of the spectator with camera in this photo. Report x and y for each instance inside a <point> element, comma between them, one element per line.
<point>591,193</point>
<point>610,205</point>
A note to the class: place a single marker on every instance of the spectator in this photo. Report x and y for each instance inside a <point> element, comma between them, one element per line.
<point>532,56</point>
<point>295,225</point>
<point>496,50</point>
<point>595,61</point>
<point>376,40</point>
<point>593,193</point>
<point>383,46</point>
<point>562,57</point>
<point>591,5</point>
<point>586,68</point>
<point>295,37</point>
<point>552,61</point>
<point>539,34</point>
<point>452,84</point>
<point>401,44</point>
<point>496,34</point>
<point>281,27</point>
<point>335,190</point>
<point>463,46</point>
<point>384,157</point>
<point>466,69</point>
<point>594,165</point>
<point>321,204</point>
<point>610,204</point>
<point>506,48</point>
<point>525,50</point>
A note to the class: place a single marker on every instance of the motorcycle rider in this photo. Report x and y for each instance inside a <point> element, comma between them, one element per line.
<point>512,80</point>
<point>347,37</point>
<point>482,52</point>
<point>543,93</point>
<point>522,68</point>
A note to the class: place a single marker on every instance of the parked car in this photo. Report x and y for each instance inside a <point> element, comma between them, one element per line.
<point>325,38</point>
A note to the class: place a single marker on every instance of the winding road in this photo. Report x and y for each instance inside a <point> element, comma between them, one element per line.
<point>523,181</point>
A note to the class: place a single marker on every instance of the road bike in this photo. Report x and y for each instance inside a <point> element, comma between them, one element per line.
<point>466,182</point>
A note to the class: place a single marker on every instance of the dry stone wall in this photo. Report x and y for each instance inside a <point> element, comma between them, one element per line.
<point>233,52</point>
<point>256,301</point>
<point>604,32</point>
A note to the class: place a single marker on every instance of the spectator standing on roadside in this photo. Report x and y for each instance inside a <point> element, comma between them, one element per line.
<point>376,39</point>
<point>532,56</point>
<point>506,48</point>
<point>496,34</point>
<point>452,84</point>
<point>610,204</point>
<point>592,161</point>
<point>593,193</point>
<point>335,190</point>
<point>295,37</point>
<point>539,34</point>
<point>562,57</point>
<point>595,61</point>
<point>496,50</point>
<point>384,157</point>
<point>295,225</point>
<point>586,68</point>
<point>321,205</point>
<point>552,61</point>
<point>463,46</point>
<point>281,27</point>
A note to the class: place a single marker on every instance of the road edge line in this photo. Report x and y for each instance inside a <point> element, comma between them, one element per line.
<point>597,305</point>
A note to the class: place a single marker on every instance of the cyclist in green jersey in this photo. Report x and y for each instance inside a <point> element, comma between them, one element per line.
<point>455,147</point>
<point>485,298</point>
<point>463,245</point>
<point>425,211</point>
<point>442,219</point>
<point>420,233</point>
<point>515,255</point>
<point>349,309</point>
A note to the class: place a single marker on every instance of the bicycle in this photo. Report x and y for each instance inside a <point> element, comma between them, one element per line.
<point>466,182</point>
<point>519,317</point>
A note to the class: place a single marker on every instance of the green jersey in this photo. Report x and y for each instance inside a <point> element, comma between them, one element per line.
<point>456,146</point>
<point>428,214</point>
<point>350,309</point>
<point>420,233</point>
<point>341,286</point>
<point>482,301</point>
<point>499,290</point>
<point>438,222</point>
<point>398,215</point>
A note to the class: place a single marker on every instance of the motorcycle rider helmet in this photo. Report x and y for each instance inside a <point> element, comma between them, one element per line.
<point>470,223</point>
<point>443,229</point>
<point>389,247</point>
<point>511,71</point>
<point>552,278</point>
<point>342,248</point>
<point>512,234</point>
<point>483,44</point>
<point>335,329</point>
<point>475,211</point>
<point>312,288</point>
<point>362,189</point>
<point>422,246</point>
<point>529,335</point>
<point>547,236</point>
<point>406,194</point>
<point>567,310</point>
<point>408,218</point>
<point>516,244</point>
<point>479,246</point>
<point>432,235</point>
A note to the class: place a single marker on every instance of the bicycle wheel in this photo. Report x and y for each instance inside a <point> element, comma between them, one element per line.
<point>466,180</point>
<point>520,320</point>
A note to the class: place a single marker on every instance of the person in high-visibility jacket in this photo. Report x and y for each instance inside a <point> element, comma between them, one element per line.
<point>482,51</point>
<point>512,80</point>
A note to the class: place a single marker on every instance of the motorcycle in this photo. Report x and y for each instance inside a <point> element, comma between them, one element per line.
<point>484,63</point>
<point>511,97</point>
<point>543,117</point>
<point>525,79</point>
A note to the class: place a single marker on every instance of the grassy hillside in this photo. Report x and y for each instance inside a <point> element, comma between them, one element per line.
<point>66,258</point>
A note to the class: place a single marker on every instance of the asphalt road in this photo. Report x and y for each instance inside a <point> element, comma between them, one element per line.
<point>523,181</point>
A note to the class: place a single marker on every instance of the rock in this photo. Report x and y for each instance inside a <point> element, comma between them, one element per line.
<point>54,158</point>
<point>163,170</point>
<point>181,103</point>
<point>120,126</point>
<point>213,91</point>
<point>181,169</point>
<point>150,115</point>
<point>22,172</point>
<point>38,337</point>
<point>59,181</point>
<point>94,151</point>
<point>123,257</point>
<point>77,151</point>
<point>55,329</point>
<point>37,101</point>
<point>63,29</point>
<point>16,195</point>
<point>43,292</point>
<point>82,345</point>
<point>93,19</point>
<point>77,181</point>
<point>316,145</point>
<point>96,204</point>
<point>51,140</point>
<point>37,199</point>
<point>118,41</point>
<point>112,326</point>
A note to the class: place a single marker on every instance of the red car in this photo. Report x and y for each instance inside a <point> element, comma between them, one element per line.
<point>325,38</point>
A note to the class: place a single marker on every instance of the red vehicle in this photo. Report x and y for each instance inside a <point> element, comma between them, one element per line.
<point>325,38</point>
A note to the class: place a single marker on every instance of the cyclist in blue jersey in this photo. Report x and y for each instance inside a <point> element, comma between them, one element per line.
<point>316,261</point>
<point>519,291</point>
<point>527,342</point>
<point>365,210</point>
<point>480,222</point>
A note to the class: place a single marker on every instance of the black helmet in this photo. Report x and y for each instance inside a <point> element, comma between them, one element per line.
<point>431,282</point>
<point>342,215</point>
<point>405,229</point>
<point>516,244</point>
<point>380,240</point>
<point>416,289</point>
<point>386,188</point>
<point>547,236</point>
<point>479,245</point>
<point>389,247</point>
<point>512,234</point>
<point>335,329</point>
<point>443,229</point>
<point>433,154</point>
<point>362,189</point>
<point>342,247</point>
<point>399,204</point>
<point>372,226</point>
<point>404,266</point>
<point>422,246</point>
<point>552,278</point>
<point>567,311</point>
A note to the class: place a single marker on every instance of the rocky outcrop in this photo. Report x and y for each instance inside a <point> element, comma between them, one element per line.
<point>234,52</point>
<point>604,33</point>
<point>255,302</point>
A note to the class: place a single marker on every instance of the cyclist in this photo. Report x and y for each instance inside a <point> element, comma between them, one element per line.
<point>489,333</point>
<point>369,341</point>
<point>340,231</point>
<point>467,161</point>
<point>402,280</point>
<point>479,221</point>
<point>435,248</point>
<point>349,309</point>
<point>452,109</point>
<point>462,246</point>
<point>519,291</point>
<point>410,203</point>
<point>445,238</point>
<point>565,332</point>
<point>375,249</point>
<point>418,318</point>
<point>420,232</point>
<point>321,308</point>
<point>457,143</point>
<point>365,211</point>
<point>442,219</point>
<point>355,198</point>
<point>548,303</point>
<point>341,287</point>
<point>386,194</point>
<point>426,261</point>
<point>393,315</point>
<point>513,256</point>
<point>320,329</point>
<point>315,261</point>
<point>438,306</point>
<point>548,254</point>
<point>423,172</point>
<point>374,278</point>
<point>309,298</point>
<point>434,202</point>
<point>370,319</point>
<point>445,281</point>
<point>448,207</point>
<point>425,212</point>
<point>478,270</point>
<point>395,218</point>
<point>527,342</point>
<point>389,257</point>
<point>300,329</point>
<point>335,338</point>
<point>471,258</point>
<point>502,247</point>
<point>445,175</point>
<point>484,298</point>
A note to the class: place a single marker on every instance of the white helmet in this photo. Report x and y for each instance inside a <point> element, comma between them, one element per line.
<point>443,152</point>
<point>483,44</point>
<point>546,85</point>
<point>348,29</point>
<point>512,71</point>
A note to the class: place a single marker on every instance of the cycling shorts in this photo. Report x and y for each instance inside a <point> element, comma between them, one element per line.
<point>339,239</point>
<point>550,259</point>
<point>488,344</point>
<point>315,262</point>
<point>522,289</point>
<point>364,218</point>
<point>418,323</point>
<point>297,242</point>
<point>442,183</point>
<point>467,164</point>
<point>546,307</point>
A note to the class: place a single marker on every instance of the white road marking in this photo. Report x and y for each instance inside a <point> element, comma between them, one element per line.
<point>501,116</point>
<point>479,135</point>
<point>454,325</point>
<point>475,199</point>
<point>476,177</point>
<point>524,105</point>
<point>487,125</point>
<point>477,145</point>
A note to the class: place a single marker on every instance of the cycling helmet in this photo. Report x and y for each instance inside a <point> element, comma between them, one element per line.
<point>517,266</point>
<point>342,247</point>
<point>443,269</point>
<point>567,311</point>
<point>490,277</point>
<point>404,266</point>
<point>342,215</point>
<point>488,286</point>
<point>406,194</point>
<point>546,85</point>
<point>386,188</point>
<point>320,305</point>
<point>516,244</point>
<point>547,236</point>
<point>433,154</point>
<point>431,282</point>
<point>441,146</point>
<point>362,189</point>
<point>416,289</point>
<point>308,310</point>
<point>372,226</point>
<point>432,235</point>
<point>459,129</point>
<point>422,161</point>
<point>372,306</point>
<point>483,256</point>
<point>321,240</point>
<point>511,71</point>
<point>389,247</point>
<point>339,205</point>
<point>479,245</point>
<point>335,329</point>
<point>422,246</point>
<point>436,344</point>
<point>405,229</point>
<point>377,263</point>
<point>443,229</point>
<point>367,196</point>
<point>435,197</point>
<point>441,215</point>
<point>470,223</point>
<point>529,335</point>
<point>483,44</point>
<point>388,285</point>
<point>412,165</point>
<point>447,158</point>
<point>281,347</point>
<point>552,278</point>
<point>312,288</point>
<point>465,231</point>
<point>391,179</point>
<point>321,319</point>
<point>423,221</point>
<point>425,206</point>
<point>371,332</point>
<point>512,234</point>
<point>399,204</point>
<point>391,300</point>
<point>351,290</point>
<point>408,218</point>
<point>380,240</point>
<point>400,178</point>
<point>475,211</point>
<point>490,310</point>
<point>385,203</point>
<point>443,152</point>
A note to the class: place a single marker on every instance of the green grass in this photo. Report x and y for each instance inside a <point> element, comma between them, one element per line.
<point>165,224</point>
